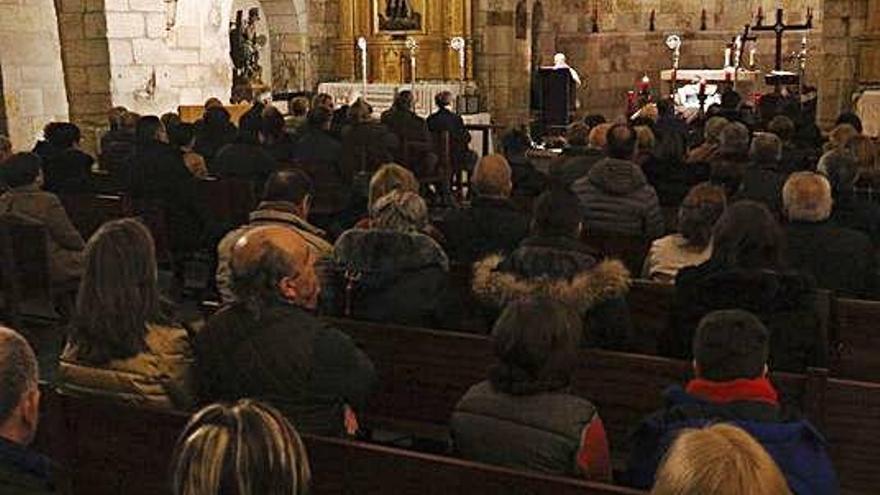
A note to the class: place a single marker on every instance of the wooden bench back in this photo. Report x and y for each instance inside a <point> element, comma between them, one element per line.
<point>856,340</point>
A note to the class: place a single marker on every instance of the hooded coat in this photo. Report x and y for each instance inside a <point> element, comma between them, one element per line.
<point>617,199</point>
<point>392,277</point>
<point>567,271</point>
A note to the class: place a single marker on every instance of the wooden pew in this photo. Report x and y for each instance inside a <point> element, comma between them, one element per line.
<point>111,448</point>
<point>856,340</point>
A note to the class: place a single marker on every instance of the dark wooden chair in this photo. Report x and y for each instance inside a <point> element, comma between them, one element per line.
<point>89,211</point>
<point>856,340</point>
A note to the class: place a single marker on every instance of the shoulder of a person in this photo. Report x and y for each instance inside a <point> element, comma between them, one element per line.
<point>168,339</point>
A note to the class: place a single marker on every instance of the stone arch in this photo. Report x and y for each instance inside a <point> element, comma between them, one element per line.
<point>288,22</point>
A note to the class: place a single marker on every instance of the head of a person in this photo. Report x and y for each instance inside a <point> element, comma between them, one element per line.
<point>840,136</point>
<point>118,294</point>
<point>559,59</point>
<point>213,103</point>
<point>290,186</point>
<point>578,134</point>
<point>182,135</point>
<point>19,393</point>
<point>783,127</point>
<point>22,169</point>
<point>806,197</point>
<point>129,122</point>
<point>536,340</point>
<point>599,136</point>
<point>594,119</point>
<point>114,117</point>
<point>64,135</point>
<point>247,448</point>
<point>320,118</point>
<point>272,265</point>
<point>621,142</point>
<point>730,100</point>
<point>645,138</point>
<point>299,106</point>
<point>713,129</point>
<point>699,212</point>
<point>271,123</point>
<point>493,177</point>
<point>391,177</point>
<point>850,118</point>
<point>250,125</point>
<point>170,119</point>
<point>649,113</point>
<point>731,345</point>
<point>443,99</point>
<point>665,107</point>
<point>405,101</point>
<point>150,130</point>
<point>864,151</point>
<point>323,100</point>
<point>841,169</point>
<point>216,119</point>
<point>557,213</point>
<point>400,211</point>
<point>734,140</point>
<point>747,236</point>
<point>360,112</point>
<point>515,143</point>
<point>721,459</point>
<point>766,149</point>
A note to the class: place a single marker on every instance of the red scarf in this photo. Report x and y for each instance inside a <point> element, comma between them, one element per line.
<point>742,390</point>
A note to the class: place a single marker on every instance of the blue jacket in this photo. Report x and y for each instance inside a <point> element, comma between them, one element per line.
<point>797,447</point>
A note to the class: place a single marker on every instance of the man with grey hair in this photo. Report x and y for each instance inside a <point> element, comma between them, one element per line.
<point>850,210</point>
<point>839,259</point>
<point>491,223</point>
<point>762,181</point>
<point>21,470</point>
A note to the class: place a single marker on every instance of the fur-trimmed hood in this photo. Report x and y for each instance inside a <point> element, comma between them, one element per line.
<point>379,257</point>
<point>607,279</point>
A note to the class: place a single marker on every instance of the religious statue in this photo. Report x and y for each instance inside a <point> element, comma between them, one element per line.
<point>245,44</point>
<point>399,15</point>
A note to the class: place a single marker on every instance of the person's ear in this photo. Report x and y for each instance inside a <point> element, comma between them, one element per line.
<point>30,411</point>
<point>289,288</point>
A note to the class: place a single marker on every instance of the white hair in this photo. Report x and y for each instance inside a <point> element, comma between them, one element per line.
<point>806,197</point>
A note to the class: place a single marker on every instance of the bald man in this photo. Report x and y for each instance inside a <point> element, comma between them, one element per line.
<point>270,346</point>
<point>21,470</point>
<point>492,223</point>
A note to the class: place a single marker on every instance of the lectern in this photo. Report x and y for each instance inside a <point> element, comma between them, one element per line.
<point>557,96</point>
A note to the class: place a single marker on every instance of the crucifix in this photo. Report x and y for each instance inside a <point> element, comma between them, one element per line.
<point>780,28</point>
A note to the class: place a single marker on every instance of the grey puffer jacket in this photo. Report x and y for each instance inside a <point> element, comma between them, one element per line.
<point>617,199</point>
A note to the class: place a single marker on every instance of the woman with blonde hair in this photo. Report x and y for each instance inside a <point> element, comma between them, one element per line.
<point>721,460</point>
<point>863,149</point>
<point>248,449</point>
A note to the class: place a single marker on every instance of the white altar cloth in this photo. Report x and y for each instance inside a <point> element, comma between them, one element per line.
<point>711,75</point>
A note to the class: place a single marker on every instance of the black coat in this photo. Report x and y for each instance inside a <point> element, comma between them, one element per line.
<point>117,151</point>
<point>567,270</point>
<point>764,185</point>
<point>243,160</point>
<point>783,301</point>
<point>365,147</point>
<point>395,278</point>
<point>287,357</point>
<point>459,137</point>
<point>68,172</point>
<point>319,154</point>
<point>855,213</point>
<point>841,260</point>
<point>487,226</point>
<point>574,163</point>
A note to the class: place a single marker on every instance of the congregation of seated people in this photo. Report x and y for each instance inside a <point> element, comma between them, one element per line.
<point>765,210</point>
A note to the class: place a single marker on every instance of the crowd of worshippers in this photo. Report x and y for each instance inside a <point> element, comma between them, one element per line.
<point>769,209</point>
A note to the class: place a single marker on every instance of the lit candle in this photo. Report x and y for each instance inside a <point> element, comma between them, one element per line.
<point>752,57</point>
<point>727,54</point>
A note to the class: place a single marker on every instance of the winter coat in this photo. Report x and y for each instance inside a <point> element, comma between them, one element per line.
<point>365,147</point>
<point>285,356</point>
<point>242,160</point>
<point>65,245</point>
<point>23,471</point>
<point>617,199</point>
<point>784,302</point>
<point>487,226</point>
<point>540,432</point>
<point>268,213</point>
<point>68,172</point>
<point>117,151</point>
<point>798,449</point>
<point>392,277</point>
<point>855,213</point>
<point>841,260</point>
<point>574,164</point>
<point>161,376</point>
<point>459,137</point>
<point>565,270</point>
<point>668,255</point>
<point>764,185</point>
<point>319,155</point>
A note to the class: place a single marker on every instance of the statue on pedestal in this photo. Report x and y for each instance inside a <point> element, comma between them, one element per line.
<point>399,15</point>
<point>245,44</point>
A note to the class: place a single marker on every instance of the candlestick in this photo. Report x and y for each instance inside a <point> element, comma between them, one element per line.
<point>727,53</point>
<point>752,57</point>
<point>362,46</point>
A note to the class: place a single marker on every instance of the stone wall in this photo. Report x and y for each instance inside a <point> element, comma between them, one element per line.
<point>33,90</point>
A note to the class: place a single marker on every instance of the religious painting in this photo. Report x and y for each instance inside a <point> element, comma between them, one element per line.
<point>399,16</point>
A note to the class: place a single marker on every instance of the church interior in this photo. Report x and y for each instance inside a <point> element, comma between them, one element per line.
<point>411,247</point>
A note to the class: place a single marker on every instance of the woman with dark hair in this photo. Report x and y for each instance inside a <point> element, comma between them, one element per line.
<point>273,136</point>
<point>123,342</point>
<point>523,416</point>
<point>244,158</point>
<point>215,131</point>
<point>692,245</point>
<point>182,136</point>
<point>66,168</point>
<point>247,448</point>
<point>554,262</point>
<point>747,271</point>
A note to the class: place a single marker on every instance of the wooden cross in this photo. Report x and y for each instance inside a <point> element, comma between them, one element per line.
<point>780,28</point>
